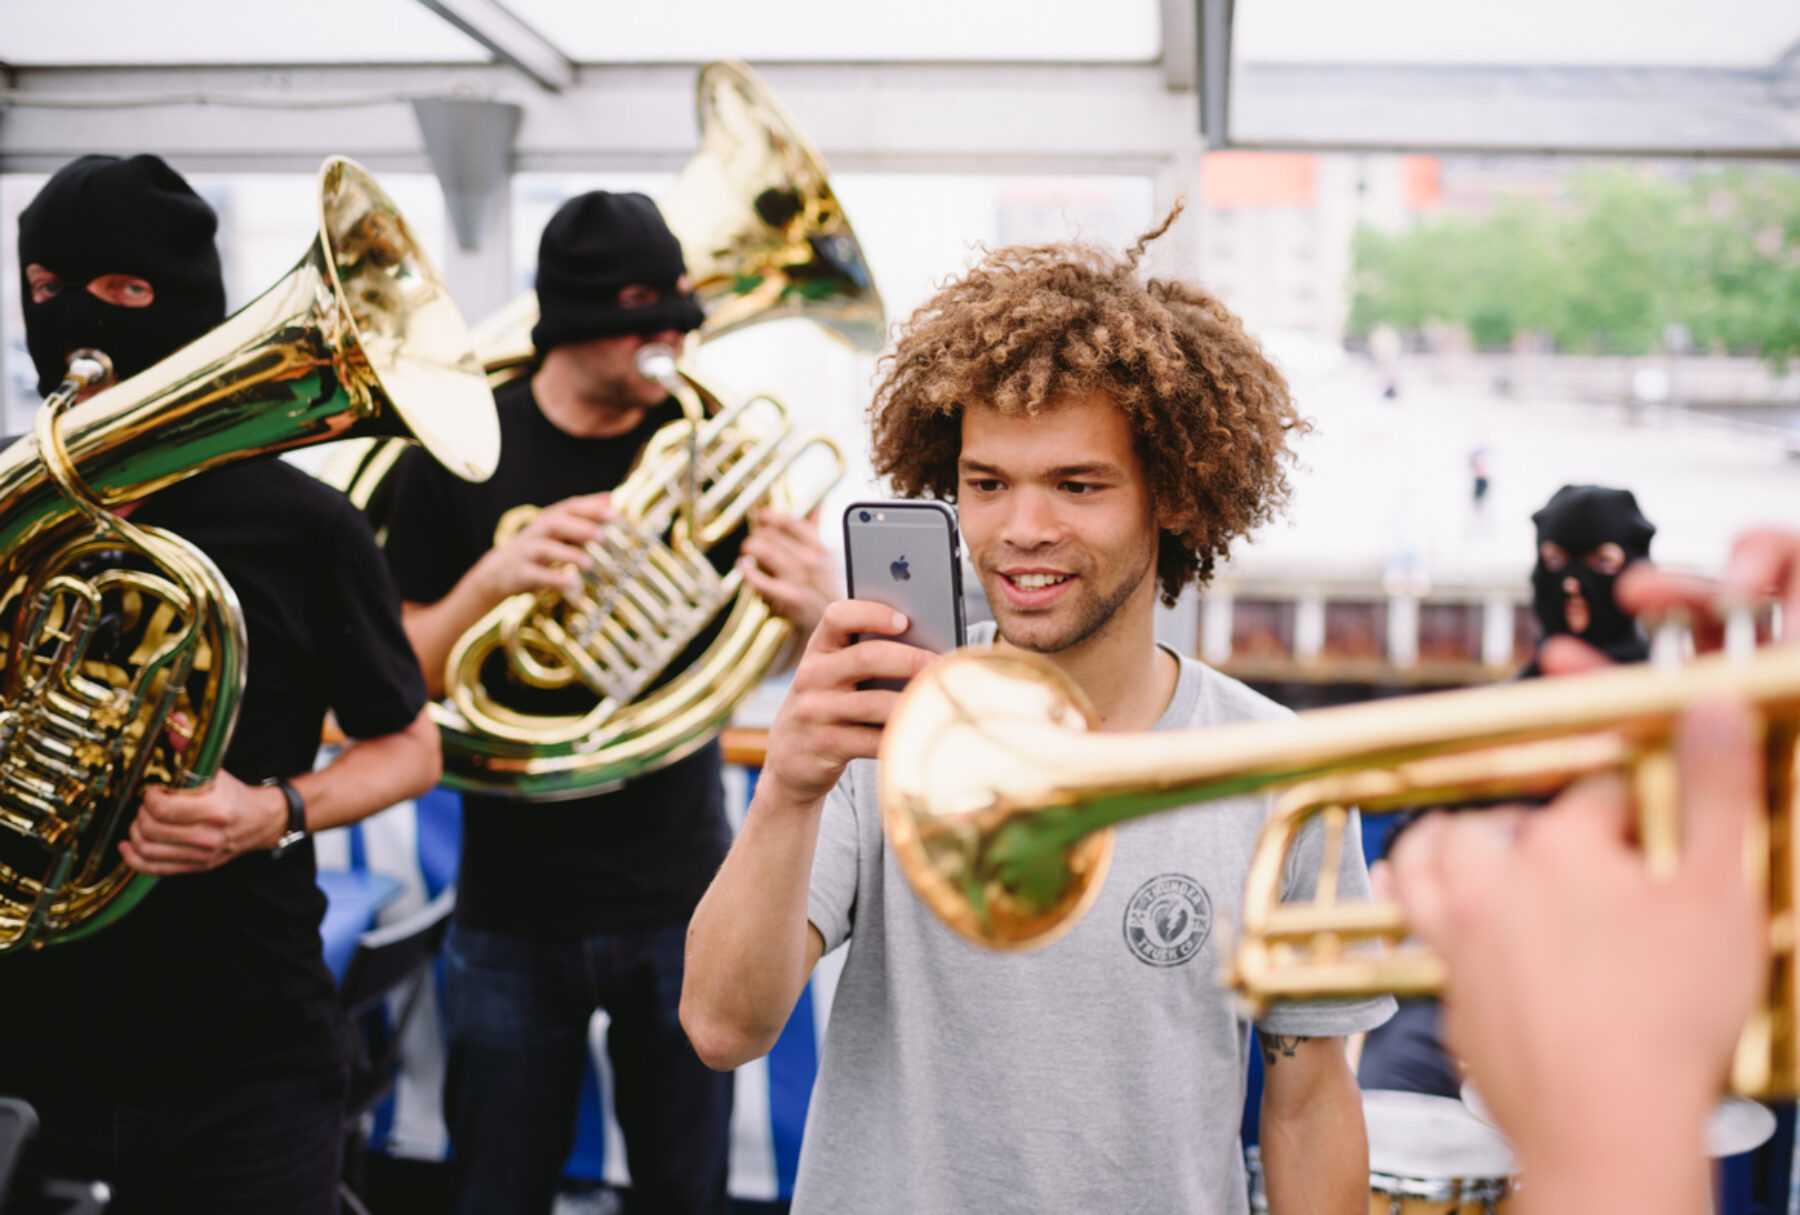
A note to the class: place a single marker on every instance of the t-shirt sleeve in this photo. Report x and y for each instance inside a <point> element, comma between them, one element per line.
<point>831,896</point>
<point>374,685</point>
<point>1327,1018</point>
<point>424,522</point>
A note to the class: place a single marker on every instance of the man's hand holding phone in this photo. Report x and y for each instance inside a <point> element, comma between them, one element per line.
<point>825,721</point>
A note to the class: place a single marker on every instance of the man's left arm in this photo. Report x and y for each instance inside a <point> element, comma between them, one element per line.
<point>1315,1150</point>
<point>373,684</point>
<point>190,830</point>
<point>784,562</point>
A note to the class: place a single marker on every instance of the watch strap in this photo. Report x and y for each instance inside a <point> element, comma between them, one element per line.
<point>296,815</point>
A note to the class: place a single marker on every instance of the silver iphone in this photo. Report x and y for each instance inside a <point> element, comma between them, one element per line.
<point>906,555</point>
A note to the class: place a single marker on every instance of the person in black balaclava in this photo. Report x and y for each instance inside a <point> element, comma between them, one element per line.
<point>117,255</point>
<point>190,1054</point>
<point>1587,535</point>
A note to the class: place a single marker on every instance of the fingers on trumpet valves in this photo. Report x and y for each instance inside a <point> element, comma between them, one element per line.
<point>1733,612</point>
<point>1765,562</point>
<point>1671,638</point>
<point>1740,631</point>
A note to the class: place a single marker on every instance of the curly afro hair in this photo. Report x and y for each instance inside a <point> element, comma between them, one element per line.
<point>1032,325</point>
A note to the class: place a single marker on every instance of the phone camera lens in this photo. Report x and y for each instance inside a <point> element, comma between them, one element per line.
<point>863,515</point>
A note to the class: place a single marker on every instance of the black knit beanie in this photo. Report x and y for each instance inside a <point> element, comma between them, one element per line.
<point>102,215</point>
<point>595,245</point>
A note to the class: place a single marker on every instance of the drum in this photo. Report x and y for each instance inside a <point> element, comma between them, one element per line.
<point>1431,1156</point>
<point>1253,1174</point>
<point>1736,1125</point>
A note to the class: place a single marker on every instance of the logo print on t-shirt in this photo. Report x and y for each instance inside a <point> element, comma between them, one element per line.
<point>1167,920</point>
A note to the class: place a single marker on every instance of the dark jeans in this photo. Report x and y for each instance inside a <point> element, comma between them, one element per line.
<point>262,1147</point>
<point>516,1014</point>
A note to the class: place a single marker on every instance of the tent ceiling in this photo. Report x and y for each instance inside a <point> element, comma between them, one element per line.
<point>992,30</point>
<point>208,32</point>
<point>1564,33</point>
<point>77,32</point>
<point>1105,85</point>
<point>1667,33</point>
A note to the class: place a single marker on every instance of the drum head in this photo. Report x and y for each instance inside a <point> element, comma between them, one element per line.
<point>1735,1126</point>
<point>1433,1138</point>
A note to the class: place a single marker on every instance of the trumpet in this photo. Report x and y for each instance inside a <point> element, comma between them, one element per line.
<point>999,800</point>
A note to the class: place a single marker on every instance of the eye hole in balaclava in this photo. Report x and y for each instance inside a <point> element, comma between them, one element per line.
<point>1587,536</point>
<point>100,216</point>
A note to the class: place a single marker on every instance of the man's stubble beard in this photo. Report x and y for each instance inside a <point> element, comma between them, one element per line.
<point>1092,623</point>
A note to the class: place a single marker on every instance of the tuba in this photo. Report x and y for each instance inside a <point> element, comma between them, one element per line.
<point>764,238</point>
<point>998,801</point>
<point>124,659</point>
<point>761,230</point>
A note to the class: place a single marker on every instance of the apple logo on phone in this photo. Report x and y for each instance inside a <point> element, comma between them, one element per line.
<point>899,571</point>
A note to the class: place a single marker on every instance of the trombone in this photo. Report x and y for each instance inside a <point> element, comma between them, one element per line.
<point>999,800</point>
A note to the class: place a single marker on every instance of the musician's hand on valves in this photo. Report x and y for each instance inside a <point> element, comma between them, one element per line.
<point>1598,1006</point>
<point>546,553</point>
<point>1764,564</point>
<point>190,830</point>
<point>825,721</point>
<point>784,562</point>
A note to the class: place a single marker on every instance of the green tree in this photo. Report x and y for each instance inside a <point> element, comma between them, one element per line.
<point>1608,268</point>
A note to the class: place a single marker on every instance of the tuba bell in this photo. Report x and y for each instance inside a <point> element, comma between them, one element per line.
<point>124,658</point>
<point>764,238</point>
<point>999,800</point>
<point>761,230</point>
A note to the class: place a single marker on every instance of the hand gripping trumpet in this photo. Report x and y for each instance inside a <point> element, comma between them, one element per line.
<point>999,799</point>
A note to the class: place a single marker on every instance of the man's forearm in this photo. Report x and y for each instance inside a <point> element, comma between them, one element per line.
<point>750,947</point>
<point>372,774</point>
<point>1636,1147</point>
<point>434,629</point>
<point>1315,1150</point>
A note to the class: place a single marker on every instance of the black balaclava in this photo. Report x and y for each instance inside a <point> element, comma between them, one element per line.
<point>1581,518</point>
<point>593,246</point>
<point>102,215</point>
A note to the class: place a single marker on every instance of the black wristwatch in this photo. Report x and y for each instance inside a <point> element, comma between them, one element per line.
<point>296,816</point>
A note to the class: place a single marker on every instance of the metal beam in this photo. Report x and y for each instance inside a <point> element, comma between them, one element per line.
<point>510,39</point>
<point>1533,110</point>
<point>899,117</point>
<point>1215,71</point>
<point>1027,118</point>
<point>1181,44</point>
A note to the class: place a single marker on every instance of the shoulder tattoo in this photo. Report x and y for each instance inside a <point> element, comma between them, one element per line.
<point>1276,1047</point>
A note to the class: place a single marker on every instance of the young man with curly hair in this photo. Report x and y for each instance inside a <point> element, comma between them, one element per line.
<point>1105,440</point>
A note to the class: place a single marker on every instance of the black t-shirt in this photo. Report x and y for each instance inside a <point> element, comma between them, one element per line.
<point>637,857</point>
<point>219,976</point>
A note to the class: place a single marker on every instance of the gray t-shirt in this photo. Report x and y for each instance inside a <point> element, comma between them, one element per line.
<point>1102,1073</point>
